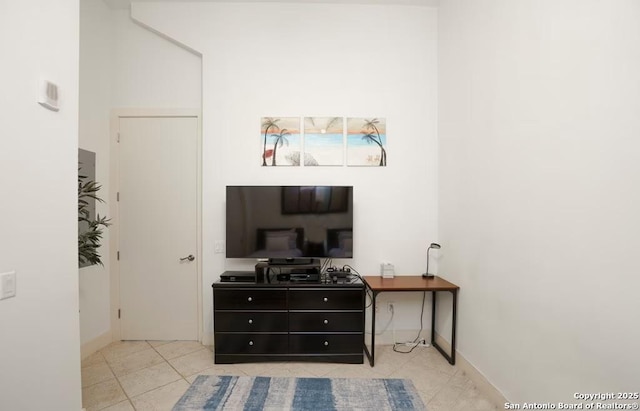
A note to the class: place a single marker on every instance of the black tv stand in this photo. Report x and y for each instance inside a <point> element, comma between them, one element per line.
<point>288,321</point>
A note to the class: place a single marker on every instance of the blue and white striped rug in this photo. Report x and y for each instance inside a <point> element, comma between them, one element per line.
<point>212,392</point>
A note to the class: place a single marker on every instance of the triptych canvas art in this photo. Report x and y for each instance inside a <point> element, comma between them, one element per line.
<point>323,141</point>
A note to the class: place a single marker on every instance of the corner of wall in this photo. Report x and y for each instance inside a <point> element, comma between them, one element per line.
<point>95,345</point>
<point>479,380</point>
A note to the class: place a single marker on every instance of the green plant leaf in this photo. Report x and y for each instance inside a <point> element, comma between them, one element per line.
<point>90,239</point>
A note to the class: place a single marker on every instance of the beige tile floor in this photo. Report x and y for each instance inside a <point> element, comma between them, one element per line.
<point>153,375</point>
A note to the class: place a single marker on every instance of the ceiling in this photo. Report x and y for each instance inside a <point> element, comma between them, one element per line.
<point>124,4</point>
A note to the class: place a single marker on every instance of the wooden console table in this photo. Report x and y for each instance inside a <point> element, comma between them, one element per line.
<point>377,284</point>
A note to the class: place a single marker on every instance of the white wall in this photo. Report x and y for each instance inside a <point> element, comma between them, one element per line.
<point>122,65</point>
<point>151,71</point>
<point>40,343</point>
<point>317,60</point>
<point>538,198</point>
<point>96,84</point>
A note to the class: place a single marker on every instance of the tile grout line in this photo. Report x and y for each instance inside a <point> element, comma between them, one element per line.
<point>172,367</point>
<point>115,378</point>
<point>120,384</point>
<point>99,382</point>
<point>125,393</point>
<point>182,377</point>
<point>466,391</point>
<point>444,386</point>
<point>130,399</point>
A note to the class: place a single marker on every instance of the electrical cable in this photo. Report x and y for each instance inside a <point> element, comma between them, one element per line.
<point>325,265</point>
<point>323,269</point>
<point>370,298</point>
<point>272,273</point>
<point>385,326</point>
<point>366,289</point>
<point>352,269</point>
<point>415,341</point>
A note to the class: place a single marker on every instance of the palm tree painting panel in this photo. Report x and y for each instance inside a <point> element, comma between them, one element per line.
<point>280,141</point>
<point>323,141</point>
<point>366,142</point>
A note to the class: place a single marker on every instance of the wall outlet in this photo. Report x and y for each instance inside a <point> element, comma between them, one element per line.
<point>390,306</point>
<point>218,247</point>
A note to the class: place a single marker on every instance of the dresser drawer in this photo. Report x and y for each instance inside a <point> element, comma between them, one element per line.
<point>250,321</point>
<point>326,299</point>
<point>326,322</point>
<point>326,343</point>
<point>250,299</point>
<point>251,343</point>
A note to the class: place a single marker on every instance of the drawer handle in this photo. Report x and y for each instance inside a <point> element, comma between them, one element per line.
<point>250,321</point>
<point>326,343</point>
<point>325,299</point>
<point>249,299</point>
<point>326,321</point>
<point>250,342</point>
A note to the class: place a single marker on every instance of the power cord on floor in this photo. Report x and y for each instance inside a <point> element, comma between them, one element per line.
<point>416,342</point>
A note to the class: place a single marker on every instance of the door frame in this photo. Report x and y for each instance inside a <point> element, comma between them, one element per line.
<point>114,232</point>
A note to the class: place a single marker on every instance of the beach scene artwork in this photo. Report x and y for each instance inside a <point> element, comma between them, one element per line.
<point>323,141</point>
<point>280,141</point>
<point>366,142</point>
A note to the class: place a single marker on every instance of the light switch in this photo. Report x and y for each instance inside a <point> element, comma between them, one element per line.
<point>219,247</point>
<point>7,285</point>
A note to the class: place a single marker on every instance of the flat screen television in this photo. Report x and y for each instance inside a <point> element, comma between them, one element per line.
<point>289,222</point>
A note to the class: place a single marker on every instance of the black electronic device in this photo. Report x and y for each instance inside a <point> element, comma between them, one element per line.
<point>290,272</point>
<point>338,272</point>
<point>262,270</point>
<point>304,278</point>
<point>238,276</point>
<point>283,277</point>
<point>289,224</point>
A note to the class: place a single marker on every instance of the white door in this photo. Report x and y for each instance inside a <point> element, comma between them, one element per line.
<point>157,210</point>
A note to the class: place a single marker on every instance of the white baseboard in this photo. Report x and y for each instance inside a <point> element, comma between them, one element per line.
<point>388,337</point>
<point>105,339</point>
<point>479,380</point>
<point>95,345</point>
<point>207,339</point>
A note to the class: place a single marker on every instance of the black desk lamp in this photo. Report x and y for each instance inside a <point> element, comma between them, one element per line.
<point>437,247</point>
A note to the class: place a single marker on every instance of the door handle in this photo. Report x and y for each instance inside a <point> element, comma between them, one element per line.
<point>190,257</point>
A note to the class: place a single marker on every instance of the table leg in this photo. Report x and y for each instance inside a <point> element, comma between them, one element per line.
<point>453,327</point>
<point>370,355</point>
<point>452,357</point>
<point>433,317</point>
<point>373,330</point>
